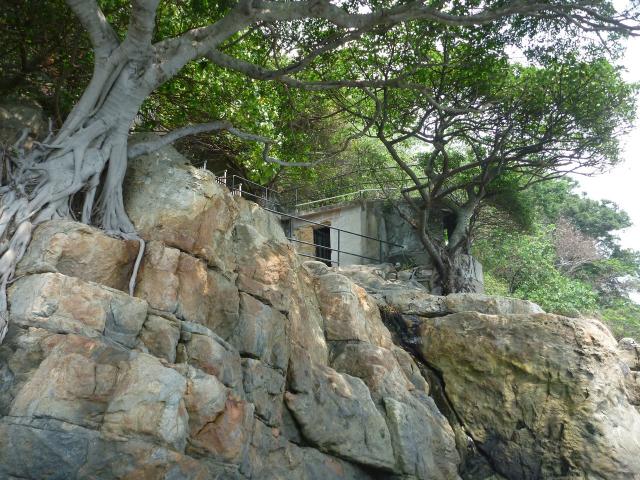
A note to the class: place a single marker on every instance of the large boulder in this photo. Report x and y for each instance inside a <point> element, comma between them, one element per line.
<point>337,415</point>
<point>478,302</point>
<point>423,442</point>
<point>68,305</point>
<point>542,396</point>
<point>350,314</point>
<point>171,201</point>
<point>81,251</point>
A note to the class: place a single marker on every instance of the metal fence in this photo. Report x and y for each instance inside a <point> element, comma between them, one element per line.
<point>268,200</point>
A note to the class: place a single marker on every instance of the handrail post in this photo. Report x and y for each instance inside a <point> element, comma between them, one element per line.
<point>338,259</point>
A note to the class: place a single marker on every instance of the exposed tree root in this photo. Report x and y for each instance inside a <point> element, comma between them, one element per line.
<point>40,184</point>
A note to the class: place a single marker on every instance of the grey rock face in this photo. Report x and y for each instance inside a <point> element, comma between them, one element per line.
<point>542,395</point>
<point>161,335</point>
<point>260,333</point>
<point>422,440</point>
<point>203,349</point>
<point>337,415</point>
<point>237,362</point>
<point>264,387</point>
<point>68,305</point>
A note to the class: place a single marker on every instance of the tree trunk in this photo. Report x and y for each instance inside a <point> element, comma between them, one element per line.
<point>87,157</point>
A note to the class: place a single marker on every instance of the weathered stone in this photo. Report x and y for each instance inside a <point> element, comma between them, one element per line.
<point>316,268</point>
<point>337,415</point>
<point>415,302</point>
<point>632,385</point>
<point>226,437</point>
<point>542,395</point>
<point>272,457</point>
<point>410,369</point>
<point>78,250</point>
<point>171,201</point>
<point>206,296</point>
<point>205,399</point>
<point>349,313</point>
<point>372,278</point>
<point>205,350</point>
<point>180,284</point>
<point>148,400</point>
<point>260,333</point>
<point>43,448</point>
<point>59,450</point>
<point>305,323</point>
<point>629,352</point>
<point>376,366</point>
<point>158,280</point>
<point>74,383</point>
<point>266,269</point>
<point>161,335</point>
<point>423,441</point>
<point>264,388</point>
<point>21,353</point>
<point>68,305</point>
<point>476,302</point>
<point>266,224</point>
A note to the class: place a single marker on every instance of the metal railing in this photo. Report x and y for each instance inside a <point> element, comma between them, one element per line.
<point>344,185</point>
<point>235,185</point>
<point>340,233</point>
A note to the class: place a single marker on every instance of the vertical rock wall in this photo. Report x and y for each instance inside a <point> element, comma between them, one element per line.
<point>232,360</point>
<point>235,361</point>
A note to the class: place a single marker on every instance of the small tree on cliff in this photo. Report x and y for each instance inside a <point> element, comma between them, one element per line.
<point>87,157</point>
<point>475,127</point>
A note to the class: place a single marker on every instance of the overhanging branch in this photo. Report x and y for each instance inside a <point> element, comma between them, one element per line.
<point>150,146</point>
<point>102,36</point>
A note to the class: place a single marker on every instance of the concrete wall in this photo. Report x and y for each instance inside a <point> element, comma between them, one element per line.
<point>380,220</point>
<point>351,217</point>
<point>375,219</point>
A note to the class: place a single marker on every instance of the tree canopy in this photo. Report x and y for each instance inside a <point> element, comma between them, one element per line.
<point>273,74</point>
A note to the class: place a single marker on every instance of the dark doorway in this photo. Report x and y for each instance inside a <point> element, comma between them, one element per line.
<point>322,240</point>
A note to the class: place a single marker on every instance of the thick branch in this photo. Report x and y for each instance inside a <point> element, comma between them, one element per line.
<point>103,39</point>
<point>581,12</point>
<point>150,146</point>
<point>141,25</point>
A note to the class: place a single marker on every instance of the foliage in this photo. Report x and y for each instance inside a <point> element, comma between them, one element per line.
<point>523,266</point>
<point>598,219</point>
<point>532,263</point>
<point>623,317</point>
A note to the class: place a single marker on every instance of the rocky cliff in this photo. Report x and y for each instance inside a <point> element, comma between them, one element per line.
<point>235,360</point>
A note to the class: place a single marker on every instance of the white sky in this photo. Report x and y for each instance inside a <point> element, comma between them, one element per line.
<point>622,184</point>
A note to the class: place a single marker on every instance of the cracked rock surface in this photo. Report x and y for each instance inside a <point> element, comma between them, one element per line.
<point>235,360</point>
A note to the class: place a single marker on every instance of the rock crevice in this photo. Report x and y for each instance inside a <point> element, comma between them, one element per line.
<point>236,360</point>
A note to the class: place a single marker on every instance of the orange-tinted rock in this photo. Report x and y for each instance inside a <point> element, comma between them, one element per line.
<point>227,437</point>
<point>182,206</point>
<point>66,304</point>
<point>182,285</point>
<point>78,250</point>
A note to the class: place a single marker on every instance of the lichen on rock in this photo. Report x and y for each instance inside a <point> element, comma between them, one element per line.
<point>237,360</point>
